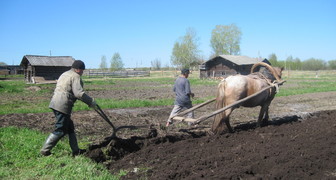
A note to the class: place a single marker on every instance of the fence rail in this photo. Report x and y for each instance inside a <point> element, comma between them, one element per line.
<point>99,73</point>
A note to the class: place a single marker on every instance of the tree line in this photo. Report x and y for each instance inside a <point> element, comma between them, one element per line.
<point>225,40</point>
<point>116,63</point>
<point>311,64</point>
<point>186,53</point>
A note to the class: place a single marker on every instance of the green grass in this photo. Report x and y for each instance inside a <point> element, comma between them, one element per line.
<point>20,159</point>
<point>11,87</point>
<point>296,87</point>
<point>27,101</point>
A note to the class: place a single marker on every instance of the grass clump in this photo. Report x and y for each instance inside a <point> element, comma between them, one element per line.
<point>20,159</point>
<point>11,87</point>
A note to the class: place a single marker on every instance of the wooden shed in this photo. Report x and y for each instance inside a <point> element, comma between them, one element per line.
<point>42,69</point>
<point>225,65</point>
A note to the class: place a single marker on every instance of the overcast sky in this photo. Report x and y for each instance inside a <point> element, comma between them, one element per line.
<point>144,30</point>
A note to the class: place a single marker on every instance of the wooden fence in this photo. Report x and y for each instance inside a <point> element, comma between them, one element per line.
<point>99,73</point>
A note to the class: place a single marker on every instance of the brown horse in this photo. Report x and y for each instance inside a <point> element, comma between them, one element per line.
<point>237,87</point>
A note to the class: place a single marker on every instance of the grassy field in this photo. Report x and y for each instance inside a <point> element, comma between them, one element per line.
<point>16,99</point>
<point>302,82</point>
<point>20,159</point>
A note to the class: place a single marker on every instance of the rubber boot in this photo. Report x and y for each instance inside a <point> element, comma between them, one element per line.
<point>74,145</point>
<point>49,144</point>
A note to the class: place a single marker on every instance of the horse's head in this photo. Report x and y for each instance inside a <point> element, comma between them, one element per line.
<point>278,71</point>
<point>272,73</point>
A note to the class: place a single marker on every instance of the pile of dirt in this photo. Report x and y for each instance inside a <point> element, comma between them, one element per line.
<point>289,147</point>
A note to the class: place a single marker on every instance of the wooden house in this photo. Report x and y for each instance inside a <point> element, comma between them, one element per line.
<point>42,69</point>
<point>225,65</point>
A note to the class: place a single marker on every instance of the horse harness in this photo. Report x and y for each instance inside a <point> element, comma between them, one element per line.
<point>258,75</point>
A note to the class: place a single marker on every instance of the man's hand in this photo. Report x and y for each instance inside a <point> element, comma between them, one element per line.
<point>192,95</point>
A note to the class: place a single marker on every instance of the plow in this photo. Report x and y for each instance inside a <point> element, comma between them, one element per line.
<point>114,128</point>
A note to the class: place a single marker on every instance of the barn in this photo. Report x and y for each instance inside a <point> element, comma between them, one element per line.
<point>225,65</point>
<point>43,69</point>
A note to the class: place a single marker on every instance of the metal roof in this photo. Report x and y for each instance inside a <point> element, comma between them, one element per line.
<point>47,60</point>
<point>241,60</point>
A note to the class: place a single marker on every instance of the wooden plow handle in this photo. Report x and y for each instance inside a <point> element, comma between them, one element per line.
<point>193,108</point>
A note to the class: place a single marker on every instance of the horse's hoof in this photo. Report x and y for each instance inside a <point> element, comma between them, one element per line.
<point>211,133</point>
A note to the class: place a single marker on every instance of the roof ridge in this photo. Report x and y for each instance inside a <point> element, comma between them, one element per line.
<point>46,56</point>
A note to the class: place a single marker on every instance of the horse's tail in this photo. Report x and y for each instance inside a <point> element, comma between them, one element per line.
<point>218,125</point>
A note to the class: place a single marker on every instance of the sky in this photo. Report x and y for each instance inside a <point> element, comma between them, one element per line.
<point>142,31</point>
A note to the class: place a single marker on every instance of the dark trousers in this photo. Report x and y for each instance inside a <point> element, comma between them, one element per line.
<point>64,124</point>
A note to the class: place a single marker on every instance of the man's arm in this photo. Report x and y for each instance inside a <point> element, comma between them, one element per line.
<point>79,93</point>
<point>188,90</point>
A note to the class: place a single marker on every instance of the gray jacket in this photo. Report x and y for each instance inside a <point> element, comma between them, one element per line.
<point>182,91</point>
<point>69,88</point>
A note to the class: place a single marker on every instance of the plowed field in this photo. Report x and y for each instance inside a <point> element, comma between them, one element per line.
<point>298,143</point>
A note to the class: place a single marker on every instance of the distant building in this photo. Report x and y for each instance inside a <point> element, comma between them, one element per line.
<point>225,65</point>
<point>42,69</point>
<point>4,71</point>
<point>12,69</point>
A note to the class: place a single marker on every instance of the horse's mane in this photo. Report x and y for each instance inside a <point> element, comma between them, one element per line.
<point>267,73</point>
<point>263,73</point>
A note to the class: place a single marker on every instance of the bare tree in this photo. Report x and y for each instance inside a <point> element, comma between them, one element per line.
<point>156,64</point>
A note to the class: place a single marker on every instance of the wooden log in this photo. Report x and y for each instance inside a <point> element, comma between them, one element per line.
<point>193,108</point>
<point>180,118</point>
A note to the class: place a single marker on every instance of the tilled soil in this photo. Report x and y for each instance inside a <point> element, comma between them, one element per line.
<point>291,149</point>
<point>298,143</point>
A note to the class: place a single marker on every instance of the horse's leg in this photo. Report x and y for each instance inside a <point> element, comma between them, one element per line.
<point>227,120</point>
<point>263,109</point>
<point>265,120</point>
<point>218,125</point>
<point>219,128</point>
<point>266,117</point>
<point>266,108</point>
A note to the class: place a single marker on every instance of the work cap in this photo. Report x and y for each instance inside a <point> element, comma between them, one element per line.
<point>185,71</point>
<point>78,64</point>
